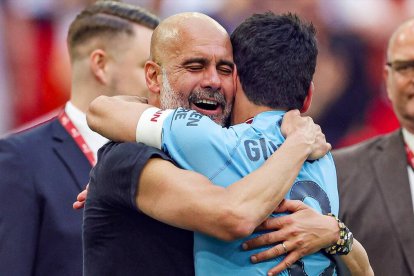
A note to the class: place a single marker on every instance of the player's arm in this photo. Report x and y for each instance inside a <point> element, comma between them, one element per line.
<point>304,232</point>
<point>188,200</point>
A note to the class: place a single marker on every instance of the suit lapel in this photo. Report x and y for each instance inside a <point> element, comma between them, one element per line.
<point>391,170</point>
<point>70,155</point>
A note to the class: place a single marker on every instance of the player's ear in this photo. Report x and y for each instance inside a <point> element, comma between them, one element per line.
<point>308,99</point>
<point>98,60</point>
<point>236,81</point>
<point>152,73</point>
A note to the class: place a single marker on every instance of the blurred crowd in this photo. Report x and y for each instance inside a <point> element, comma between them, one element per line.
<point>350,102</point>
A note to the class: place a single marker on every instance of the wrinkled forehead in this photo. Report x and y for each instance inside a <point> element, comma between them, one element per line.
<point>206,43</point>
<point>190,34</point>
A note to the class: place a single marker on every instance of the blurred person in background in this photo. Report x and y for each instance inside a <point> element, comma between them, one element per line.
<point>44,168</point>
<point>39,74</point>
<point>5,103</point>
<point>374,30</point>
<point>376,178</point>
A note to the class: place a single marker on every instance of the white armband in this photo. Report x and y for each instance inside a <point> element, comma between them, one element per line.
<point>149,127</point>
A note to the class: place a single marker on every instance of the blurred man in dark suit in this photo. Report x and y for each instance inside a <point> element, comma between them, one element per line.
<point>44,168</point>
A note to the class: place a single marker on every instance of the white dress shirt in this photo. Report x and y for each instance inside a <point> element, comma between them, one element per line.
<point>409,140</point>
<point>78,118</point>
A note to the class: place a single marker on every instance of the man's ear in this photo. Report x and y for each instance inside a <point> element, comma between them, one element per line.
<point>152,71</point>
<point>98,60</point>
<point>385,74</point>
<point>236,80</point>
<point>308,99</point>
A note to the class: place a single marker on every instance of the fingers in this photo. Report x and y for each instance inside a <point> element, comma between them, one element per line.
<point>271,253</point>
<point>292,114</point>
<point>265,239</point>
<point>288,205</point>
<point>290,121</point>
<point>78,205</point>
<point>82,195</point>
<point>81,198</point>
<point>308,130</point>
<point>287,262</point>
<point>320,146</point>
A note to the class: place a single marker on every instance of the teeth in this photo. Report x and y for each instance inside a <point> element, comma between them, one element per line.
<point>206,102</point>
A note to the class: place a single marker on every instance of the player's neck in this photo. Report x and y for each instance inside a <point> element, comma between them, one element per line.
<point>243,109</point>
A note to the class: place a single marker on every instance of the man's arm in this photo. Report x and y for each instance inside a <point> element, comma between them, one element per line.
<point>188,200</point>
<point>115,117</point>
<point>303,232</point>
<point>234,211</point>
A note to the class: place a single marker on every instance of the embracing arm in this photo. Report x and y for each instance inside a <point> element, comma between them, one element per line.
<point>357,261</point>
<point>116,117</point>
<point>304,232</point>
<point>188,200</point>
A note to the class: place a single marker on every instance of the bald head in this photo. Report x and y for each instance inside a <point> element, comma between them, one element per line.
<point>399,73</point>
<point>182,28</point>
<point>403,36</point>
<point>192,66</point>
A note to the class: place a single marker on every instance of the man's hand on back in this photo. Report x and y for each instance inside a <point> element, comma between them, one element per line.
<point>303,232</point>
<point>303,128</point>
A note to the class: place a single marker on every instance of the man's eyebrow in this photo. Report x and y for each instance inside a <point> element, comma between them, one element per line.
<point>226,62</point>
<point>195,60</point>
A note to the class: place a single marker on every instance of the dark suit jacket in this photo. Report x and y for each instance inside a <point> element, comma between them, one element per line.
<point>375,201</point>
<point>41,173</point>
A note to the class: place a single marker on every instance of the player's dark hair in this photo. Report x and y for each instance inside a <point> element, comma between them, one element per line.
<point>276,59</point>
<point>106,19</point>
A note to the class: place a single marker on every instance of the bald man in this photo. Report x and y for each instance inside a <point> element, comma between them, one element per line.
<point>376,179</point>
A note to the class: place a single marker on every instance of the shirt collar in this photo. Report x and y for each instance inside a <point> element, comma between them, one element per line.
<point>408,138</point>
<point>78,118</point>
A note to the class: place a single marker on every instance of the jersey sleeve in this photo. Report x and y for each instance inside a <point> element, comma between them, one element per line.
<point>193,140</point>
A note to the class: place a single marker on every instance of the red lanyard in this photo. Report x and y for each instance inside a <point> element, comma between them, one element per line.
<point>74,132</point>
<point>410,156</point>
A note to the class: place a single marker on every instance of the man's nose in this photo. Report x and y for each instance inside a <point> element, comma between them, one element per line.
<point>211,79</point>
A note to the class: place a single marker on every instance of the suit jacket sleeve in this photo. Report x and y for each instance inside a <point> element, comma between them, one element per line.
<point>19,212</point>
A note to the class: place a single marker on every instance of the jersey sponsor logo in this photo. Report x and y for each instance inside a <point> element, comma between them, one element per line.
<point>156,116</point>
<point>181,114</point>
<point>257,149</point>
<point>193,117</point>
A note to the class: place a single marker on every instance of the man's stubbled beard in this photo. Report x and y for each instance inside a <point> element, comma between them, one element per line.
<point>171,99</point>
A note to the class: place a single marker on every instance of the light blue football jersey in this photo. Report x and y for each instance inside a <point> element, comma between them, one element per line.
<point>225,155</point>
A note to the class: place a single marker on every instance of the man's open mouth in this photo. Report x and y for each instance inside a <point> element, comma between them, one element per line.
<point>206,104</point>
